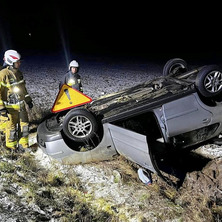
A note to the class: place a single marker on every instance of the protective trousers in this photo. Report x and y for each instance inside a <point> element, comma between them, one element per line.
<point>3,120</point>
<point>17,128</point>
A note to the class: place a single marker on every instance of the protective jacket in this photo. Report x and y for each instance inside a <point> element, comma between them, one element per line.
<point>73,80</point>
<point>12,88</point>
<point>13,95</point>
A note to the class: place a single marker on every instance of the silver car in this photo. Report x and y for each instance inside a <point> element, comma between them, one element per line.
<point>176,111</point>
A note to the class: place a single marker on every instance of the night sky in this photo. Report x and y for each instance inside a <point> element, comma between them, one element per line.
<point>114,28</point>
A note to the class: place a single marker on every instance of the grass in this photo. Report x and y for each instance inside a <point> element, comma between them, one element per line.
<point>44,189</point>
<point>44,194</point>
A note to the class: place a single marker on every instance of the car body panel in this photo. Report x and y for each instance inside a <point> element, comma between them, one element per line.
<point>52,143</point>
<point>104,151</point>
<point>58,149</point>
<point>184,114</point>
<point>132,146</point>
<point>188,114</point>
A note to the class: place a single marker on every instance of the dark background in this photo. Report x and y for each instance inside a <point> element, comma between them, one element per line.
<point>112,28</point>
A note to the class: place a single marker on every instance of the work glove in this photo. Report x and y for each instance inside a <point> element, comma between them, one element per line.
<point>30,104</point>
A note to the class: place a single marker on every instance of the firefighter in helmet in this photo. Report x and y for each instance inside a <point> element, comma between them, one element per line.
<point>13,96</point>
<point>3,119</point>
<point>72,77</point>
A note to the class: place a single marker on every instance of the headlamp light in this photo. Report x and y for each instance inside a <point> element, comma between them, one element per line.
<point>16,89</point>
<point>71,82</point>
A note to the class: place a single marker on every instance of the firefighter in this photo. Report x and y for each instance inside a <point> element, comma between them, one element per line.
<point>3,120</point>
<point>3,113</point>
<point>72,78</point>
<point>13,96</point>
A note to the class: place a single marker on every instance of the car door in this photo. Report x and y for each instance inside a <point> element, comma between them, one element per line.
<point>133,146</point>
<point>184,114</point>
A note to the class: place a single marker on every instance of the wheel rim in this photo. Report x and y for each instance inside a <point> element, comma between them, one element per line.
<point>213,82</point>
<point>80,126</point>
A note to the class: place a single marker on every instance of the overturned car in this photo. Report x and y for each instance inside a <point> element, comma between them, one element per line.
<point>176,111</point>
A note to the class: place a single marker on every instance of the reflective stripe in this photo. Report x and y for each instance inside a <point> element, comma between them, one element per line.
<point>24,142</point>
<point>14,106</point>
<point>10,104</point>
<point>11,145</point>
<point>3,122</point>
<point>3,126</point>
<point>8,85</point>
<point>17,83</point>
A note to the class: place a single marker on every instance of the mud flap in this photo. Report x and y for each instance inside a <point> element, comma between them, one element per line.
<point>132,146</point>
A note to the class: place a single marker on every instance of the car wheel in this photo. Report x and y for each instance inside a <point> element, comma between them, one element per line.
<point>209,81</point>
<point>80,125</point>
<point>175,67</point>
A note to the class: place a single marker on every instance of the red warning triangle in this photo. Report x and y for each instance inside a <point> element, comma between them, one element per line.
<point>68,98</point>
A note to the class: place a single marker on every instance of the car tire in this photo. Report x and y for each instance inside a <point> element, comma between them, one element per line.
<point>175,67</point>
<point>80,125</point>
<point>209,81</point>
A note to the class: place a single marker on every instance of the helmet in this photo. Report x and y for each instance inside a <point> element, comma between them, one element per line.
<point>11,56</point>
<point>73,63</point>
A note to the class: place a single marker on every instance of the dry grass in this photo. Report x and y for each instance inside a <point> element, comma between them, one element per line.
<point>61,195</point>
